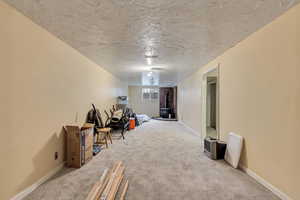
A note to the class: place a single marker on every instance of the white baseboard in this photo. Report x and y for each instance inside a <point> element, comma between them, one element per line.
<point>31,188</point>
<point>265,183</point>
<point>189,128</point>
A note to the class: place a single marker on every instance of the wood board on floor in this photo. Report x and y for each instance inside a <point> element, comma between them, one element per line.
<point>109,184</point>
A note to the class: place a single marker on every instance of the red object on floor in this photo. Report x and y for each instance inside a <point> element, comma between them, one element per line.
<point>131,123</point>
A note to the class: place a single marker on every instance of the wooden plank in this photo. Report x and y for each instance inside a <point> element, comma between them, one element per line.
<point>112,196</point>
<point>102,185</point>
<point>123,194</point>
<point>97,185</point>
<point>112,177</point>
<point>101,189</point>
<point>116,184</point>
<point>94,191</point>
<point>117,166</point>
<point>106,184</point>
<point>110,187</point>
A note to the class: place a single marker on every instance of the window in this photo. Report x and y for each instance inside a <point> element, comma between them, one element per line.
<point>149,93</point>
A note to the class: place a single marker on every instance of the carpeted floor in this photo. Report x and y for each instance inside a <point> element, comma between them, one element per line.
<point>163,161</point>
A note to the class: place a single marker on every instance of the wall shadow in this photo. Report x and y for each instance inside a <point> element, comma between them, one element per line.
<point>44,160</point>
<point>244,155</point>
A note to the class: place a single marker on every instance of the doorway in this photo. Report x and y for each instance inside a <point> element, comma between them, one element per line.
<point>210,106</point>
<point>168,103</point>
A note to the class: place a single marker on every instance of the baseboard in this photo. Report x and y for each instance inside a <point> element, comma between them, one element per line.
<point>189,128</point>
<point>31,188</point>
<point>265,183</point>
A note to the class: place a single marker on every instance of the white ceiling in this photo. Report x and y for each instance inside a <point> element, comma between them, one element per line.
<point>184,34</point>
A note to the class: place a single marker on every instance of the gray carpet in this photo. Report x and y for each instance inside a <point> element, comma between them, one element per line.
<point>163,161</point>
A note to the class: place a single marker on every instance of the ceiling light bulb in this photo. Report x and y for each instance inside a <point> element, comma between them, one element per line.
<point>149,61</point>
<point>149,51</point>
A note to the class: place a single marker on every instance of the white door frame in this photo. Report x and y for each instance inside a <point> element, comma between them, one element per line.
<point>204,97</point>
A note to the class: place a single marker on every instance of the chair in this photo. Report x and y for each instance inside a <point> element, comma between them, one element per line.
<point>103,133</point>
<point>101,139</point>
<point>107,134</point>
<point>119,122</point>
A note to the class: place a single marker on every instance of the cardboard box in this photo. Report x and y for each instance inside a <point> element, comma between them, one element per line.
<point>79,143</point>
<point>88,154</point>
<point>73,146</point>
<point>88,134</point>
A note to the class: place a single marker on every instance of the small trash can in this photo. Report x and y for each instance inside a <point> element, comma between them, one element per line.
<point>131,123</point>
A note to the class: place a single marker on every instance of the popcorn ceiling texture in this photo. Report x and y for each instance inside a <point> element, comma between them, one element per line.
<point>185,34</point>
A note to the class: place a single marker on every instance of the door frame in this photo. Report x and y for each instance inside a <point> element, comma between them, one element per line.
<point>204,97</point>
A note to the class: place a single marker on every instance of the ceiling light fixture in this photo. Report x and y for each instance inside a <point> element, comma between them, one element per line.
<point>149,61</point>
<point>149,55</point>
<point>157,68</point>
<point>149,51</point>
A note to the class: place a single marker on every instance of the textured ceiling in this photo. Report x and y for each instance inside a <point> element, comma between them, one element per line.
<point>184,34</point>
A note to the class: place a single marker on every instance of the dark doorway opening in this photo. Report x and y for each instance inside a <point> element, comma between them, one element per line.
<point>211,107</point>
<point>168,102</point>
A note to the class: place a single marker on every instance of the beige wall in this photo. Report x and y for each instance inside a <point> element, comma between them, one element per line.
<point>259,99</point>
<point>150,108</point>
<point>189,102</point>
<point>44,84</point>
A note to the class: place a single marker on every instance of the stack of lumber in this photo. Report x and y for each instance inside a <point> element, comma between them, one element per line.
<point>108,185</point>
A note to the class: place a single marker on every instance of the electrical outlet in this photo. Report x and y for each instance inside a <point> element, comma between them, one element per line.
<point>55,155</point>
